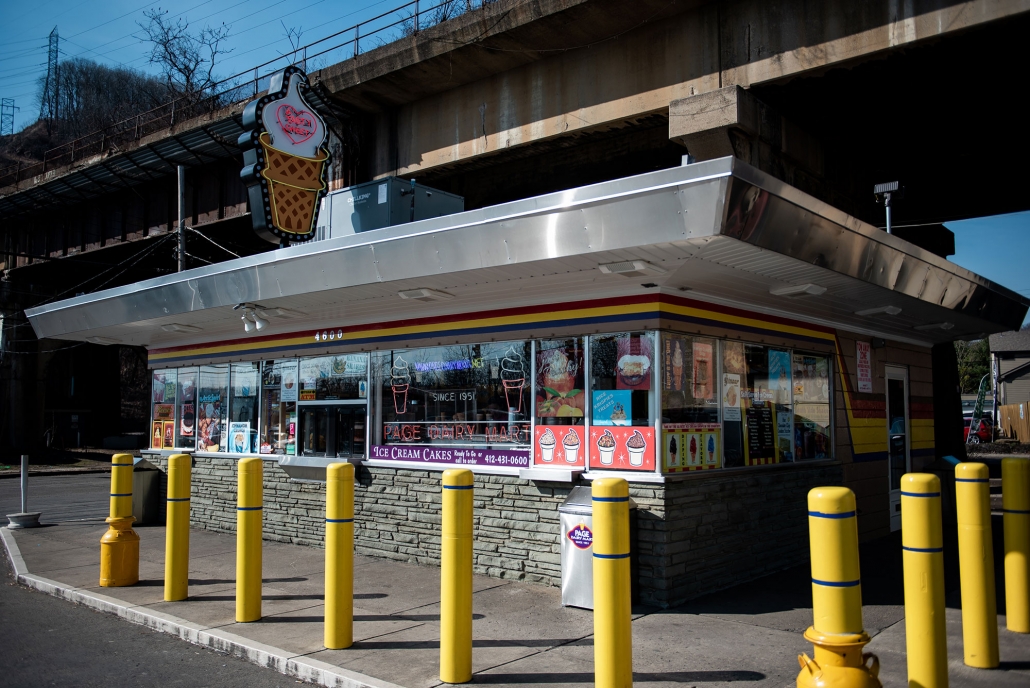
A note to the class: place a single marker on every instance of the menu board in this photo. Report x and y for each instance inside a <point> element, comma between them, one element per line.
<point>761,435</point>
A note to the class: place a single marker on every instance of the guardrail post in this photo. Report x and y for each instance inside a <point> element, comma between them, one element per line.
<point>339,556</point>
<point>1015,499</point>
<point>248,539</point>
<point>837,631</point>
<point>119,547</point>
<point>177,528</point>
<point>976,566</point>
<point>922,543</point>
<point>456,577</point>
<point>613,631</point>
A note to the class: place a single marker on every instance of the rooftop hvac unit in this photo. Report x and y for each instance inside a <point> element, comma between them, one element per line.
<point>382,203</point>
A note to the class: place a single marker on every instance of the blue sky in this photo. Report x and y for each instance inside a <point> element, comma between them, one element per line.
<point>997,247</point>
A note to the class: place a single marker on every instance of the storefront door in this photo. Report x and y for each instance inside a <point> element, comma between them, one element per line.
<point>898,459</point>
<point>332,430</point>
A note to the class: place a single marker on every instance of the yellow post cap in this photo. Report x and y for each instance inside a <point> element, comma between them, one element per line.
<point>339,472</point>
<point>1015,492</point>
<point>458,477</point>
<point>920,484</point>
<point>971,471</point>
<point>250,464</point>
<point>610,487</point>
<point>831,500</point>
<point>121,460</point>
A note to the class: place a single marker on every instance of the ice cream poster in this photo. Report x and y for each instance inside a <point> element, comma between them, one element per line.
<point>239,438</point>
<point>674,355</point>
<point>691,446</point>
<point>560,446</point>
<point>634,363</point>
<point>703,376</point>
<point>779,376</point>
<point>622,448</point>
<point>289,379</point>
<point>559,380</point>
<point>284,159</point>
<point>731,396</point>
<point>612,407</point>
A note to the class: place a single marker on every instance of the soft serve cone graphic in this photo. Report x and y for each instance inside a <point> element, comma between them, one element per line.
<point>399,382</point>
<point>513,378</point>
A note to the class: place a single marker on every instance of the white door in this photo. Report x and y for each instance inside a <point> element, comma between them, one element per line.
<point>898,460</point>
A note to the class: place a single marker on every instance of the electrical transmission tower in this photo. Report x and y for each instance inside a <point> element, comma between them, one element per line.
<point>48,104</point>
<point>7,116</point>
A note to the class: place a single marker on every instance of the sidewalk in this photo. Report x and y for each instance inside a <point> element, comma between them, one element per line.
<point>750,634</point>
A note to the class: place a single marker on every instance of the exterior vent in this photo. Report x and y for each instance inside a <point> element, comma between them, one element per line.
<point>631,268</point>
<point>425,295</point>
<point>796,291</point>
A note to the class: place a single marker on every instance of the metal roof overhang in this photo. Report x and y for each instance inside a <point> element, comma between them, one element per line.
<point>721,229</point>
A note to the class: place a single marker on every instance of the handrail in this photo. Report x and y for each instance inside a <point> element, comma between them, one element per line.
<point>224,93</point>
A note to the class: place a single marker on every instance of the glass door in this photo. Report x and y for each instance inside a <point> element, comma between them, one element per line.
<point>350,431</point>
<point>898,460</point>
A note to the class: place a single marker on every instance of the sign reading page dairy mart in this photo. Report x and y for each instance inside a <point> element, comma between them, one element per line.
<point>284,159</point>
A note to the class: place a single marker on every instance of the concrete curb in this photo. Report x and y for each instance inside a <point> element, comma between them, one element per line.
<point>60,471</point>
<point>287,663</point>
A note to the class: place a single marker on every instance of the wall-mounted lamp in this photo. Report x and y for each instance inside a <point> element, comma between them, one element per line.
<point>251,320</point>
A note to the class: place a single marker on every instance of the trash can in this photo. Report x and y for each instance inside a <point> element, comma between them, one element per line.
<point>577,553</point>
<point>146,491</point>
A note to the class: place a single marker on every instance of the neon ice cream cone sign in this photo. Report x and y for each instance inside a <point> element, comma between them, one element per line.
<point>284,159</point>
<point>513,378</point>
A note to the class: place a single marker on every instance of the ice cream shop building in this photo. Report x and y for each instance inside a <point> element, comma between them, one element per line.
<point>715,336</point>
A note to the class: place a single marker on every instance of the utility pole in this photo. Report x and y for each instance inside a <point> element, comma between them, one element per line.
<point>182,218</point>
<point>7,116</point>
<point>49,103</point>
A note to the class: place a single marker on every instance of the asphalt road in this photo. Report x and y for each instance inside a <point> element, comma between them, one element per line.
<point>51,642</point>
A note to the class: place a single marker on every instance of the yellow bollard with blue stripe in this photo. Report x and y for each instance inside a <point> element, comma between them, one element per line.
<point>1015,502</point>
<point>119,546</point>
<point>456,577</point>
<point>249,502</point>
<point>339,556</point>
<point>613,631</point>
<point>976,566</point>
<point>177,528</point>
<point>922,543</point>
<point>837,631</point>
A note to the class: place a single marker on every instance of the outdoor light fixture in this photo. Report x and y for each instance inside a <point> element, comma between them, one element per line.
<point>248,326</point>
<point>888,191</point>
<point>102,340</point>
<point>176,327</point>
<point>425,295</point>
<point>630,268</point>
<point>935,326</point>
<point>797,290</point>
<point>259,322</point>
<point>887,310</point>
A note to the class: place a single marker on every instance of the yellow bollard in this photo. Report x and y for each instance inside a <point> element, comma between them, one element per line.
<point>119,546</point>
<point>1015,501</point>
<point>177,528</point>
<point>837,631</point>
<point>922,543</point>
<point>339,556</point>
<point>456,578</point>
<point>248,539</point>
<point>976,566</point>
<point>613,632</point>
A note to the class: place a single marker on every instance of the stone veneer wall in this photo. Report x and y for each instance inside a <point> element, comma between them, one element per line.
<point>693,536</point>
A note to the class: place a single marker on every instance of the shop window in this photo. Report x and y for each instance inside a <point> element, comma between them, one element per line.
<point>330,378</point>
<point>162,399</point>
<point>692,433</point>
<point>622,401</point>
<point>186,415</point>
<point>474,395</point>
<point>212,408</point>
<point>761,431</point>
<point>243,408</point>
<point>812,396</point>
<point>280,383</point>
<point>560,403</point>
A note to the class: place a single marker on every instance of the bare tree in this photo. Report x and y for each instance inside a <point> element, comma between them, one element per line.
<point>187,60</point>
<point>293,35</point>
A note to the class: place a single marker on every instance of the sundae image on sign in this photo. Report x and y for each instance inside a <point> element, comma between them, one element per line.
<point>560,446</point>
<point>623,448</point>
<point>559,380</point>
<point>612,407</point>
<point>284,159</point>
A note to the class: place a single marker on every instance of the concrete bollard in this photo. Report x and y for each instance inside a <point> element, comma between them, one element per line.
<point>456,577</point>
<point>837,631</point>
<point>248,539</point>
<point>339,556</point>
<point>119,546</point>
<point>613,630</point>
<point>177,528</point>
<point>1015,500</point>
<point>976,566</point>
<point>922,543</point>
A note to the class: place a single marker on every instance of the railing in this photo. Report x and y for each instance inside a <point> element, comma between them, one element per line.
<point>403,21</point>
